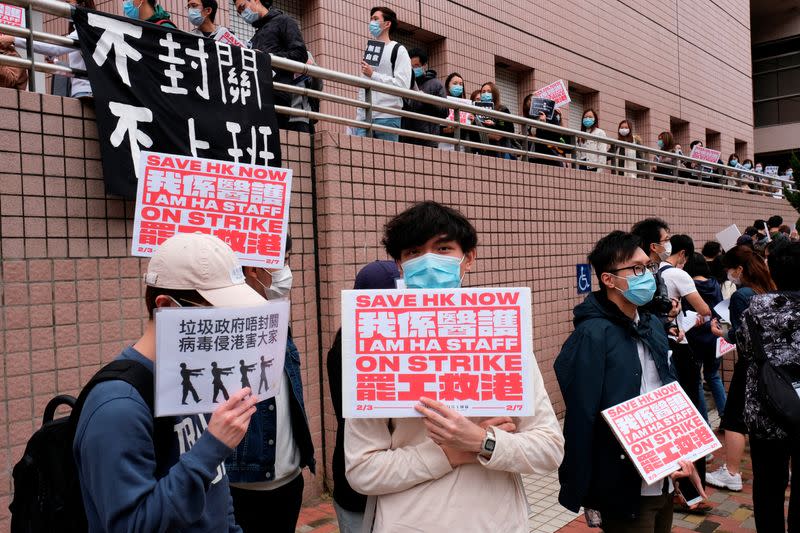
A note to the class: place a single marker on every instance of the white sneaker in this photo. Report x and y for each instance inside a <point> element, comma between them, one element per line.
<point>724,480</point>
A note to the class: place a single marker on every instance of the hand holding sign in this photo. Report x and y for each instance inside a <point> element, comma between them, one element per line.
<point>542,105</point>
<point>230,421</point>
<point>447,427</point>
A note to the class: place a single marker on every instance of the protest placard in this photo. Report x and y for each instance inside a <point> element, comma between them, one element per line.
<point>246,206</point>
<point>705,154</point>
<point>229,38</point>
<point>471,349</point>
<point>557,92</point>
<point>771,170</point>
<point>727,238</point>
<point>687,320</point>
<point>463,116</point>
<point>542,105</point>
<point>374,52</point>
<point>660,428</point>
<point>724,347</point>
<point>12,15</point>
<point>161,90</point>
<point>723,309</point>
<point>205,354</point>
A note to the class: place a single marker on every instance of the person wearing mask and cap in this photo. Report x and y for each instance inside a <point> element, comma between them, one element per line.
<point>201,15</point>
<point>265,470</point>
<point>442,467</point>
<point>349,504</point>
<point>148,11</point>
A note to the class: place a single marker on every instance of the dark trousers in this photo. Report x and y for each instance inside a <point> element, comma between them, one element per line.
<point>276,511</point>
<point>655,516</point>
<point>770,479</point>
<point>689,378</point>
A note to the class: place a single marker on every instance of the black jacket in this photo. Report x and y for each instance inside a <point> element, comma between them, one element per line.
<point>278,34</point>
<point>599,367</point>
<point>427,84</point>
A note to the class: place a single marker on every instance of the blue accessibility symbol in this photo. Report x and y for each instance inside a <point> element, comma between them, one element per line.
<point>584,278</point>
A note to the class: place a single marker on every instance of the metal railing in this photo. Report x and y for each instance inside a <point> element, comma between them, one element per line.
<point>645,161</point>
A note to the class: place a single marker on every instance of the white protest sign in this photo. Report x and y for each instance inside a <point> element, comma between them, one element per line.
<point>723,309</point>
<point>246,206</point>
<point>687,320</point>
<point>704,154</point>
<point>771,170</point>
<point>205,354</point>
<point>727,238</point>
<point>724,347</point>
<point>556,91</point>
<point>470,349</point>
<point>12,15</point>
<point>463,116</point>
<point>660,428</point>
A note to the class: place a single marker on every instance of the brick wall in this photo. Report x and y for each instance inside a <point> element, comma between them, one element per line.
<point>72,296</point>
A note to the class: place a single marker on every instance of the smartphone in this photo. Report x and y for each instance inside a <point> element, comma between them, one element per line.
<point>687,492</point>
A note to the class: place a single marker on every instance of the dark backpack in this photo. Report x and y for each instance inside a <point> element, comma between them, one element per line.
<point>661,304</point>
<point>47,493</point>
<point>393,58</point>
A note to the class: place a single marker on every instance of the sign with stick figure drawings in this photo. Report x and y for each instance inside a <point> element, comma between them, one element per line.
<point>205,354</point>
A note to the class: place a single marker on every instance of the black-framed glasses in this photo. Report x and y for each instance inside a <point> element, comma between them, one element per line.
<point>638,270</point>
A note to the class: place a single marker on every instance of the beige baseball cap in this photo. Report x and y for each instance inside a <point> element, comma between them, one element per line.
<point>196,261</point>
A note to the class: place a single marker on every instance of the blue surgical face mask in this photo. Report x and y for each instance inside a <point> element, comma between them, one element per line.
<point>588,122</point>
<point>249,15</point>
<point>375,28</point>
<point>747,166</point>
<point>456,90</point>
<point>419,72</point>
<point>640,288</point>
<point>130,10</point>
<point>433,271</point>
<point>486,98</point>
<point>660,144</point>
<point>195,16</point>
<point>733,162</point>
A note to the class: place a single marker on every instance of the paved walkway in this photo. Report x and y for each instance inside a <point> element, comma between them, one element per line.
<point>732,511</point>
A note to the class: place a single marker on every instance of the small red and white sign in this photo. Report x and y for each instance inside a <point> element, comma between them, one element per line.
<point>463,116</point>
<point>705,154</point>
<point>230,38</point>
<point>557,92</point>
<point>470,349</point>
<point>247,206</point>
<point>12,15</point>
<point>660,428</point>
<point>724,347</point>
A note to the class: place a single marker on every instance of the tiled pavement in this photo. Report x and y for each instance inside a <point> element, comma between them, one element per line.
<point>732,511</point>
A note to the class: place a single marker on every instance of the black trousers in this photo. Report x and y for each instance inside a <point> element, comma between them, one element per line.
<point>770,479</point>
<point>276,511</point>
<point>689,378</point>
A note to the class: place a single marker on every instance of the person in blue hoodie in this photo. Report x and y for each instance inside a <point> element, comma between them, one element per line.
<point>133,477</point>
<point>617,352</point>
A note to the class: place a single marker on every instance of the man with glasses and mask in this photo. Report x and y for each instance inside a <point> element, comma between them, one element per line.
<point>409,466</point>
<point>617,352</point>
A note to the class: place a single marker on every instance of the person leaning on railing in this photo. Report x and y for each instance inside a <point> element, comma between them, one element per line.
<point>454,86</point>
<point>666,143</point>
<point>11,77</point>
<point>622,157</point>
<point>491,94</point>
<point>545,135</point>
<point>591,159</point>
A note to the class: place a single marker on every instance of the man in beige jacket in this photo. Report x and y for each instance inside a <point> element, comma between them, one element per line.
<point>443,471</point>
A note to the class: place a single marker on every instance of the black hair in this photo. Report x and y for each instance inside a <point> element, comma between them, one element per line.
<point>596,119</point>
<point>288,243</point>
<point>712,249</point>
<point>213,5</point>
<point>649,231</point>
<point>696,265</point>
<point>420,53</point>
<point>750,230</point>
<point>682,243</point>
<point>775,221</point>
<point>759,224</point>
<point>784,266</point>
<point>388,16</point>
<point>612,250</point>
<point>152,3</point>
<point>718,269</point>
<point>183,297</point>
<point>694,143</point>
<point>421,222</point>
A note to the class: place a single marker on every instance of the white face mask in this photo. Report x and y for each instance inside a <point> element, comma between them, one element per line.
<point>733,279</point>
<point>624,132</point>
<point>667,251</point>
<point>281,283</point>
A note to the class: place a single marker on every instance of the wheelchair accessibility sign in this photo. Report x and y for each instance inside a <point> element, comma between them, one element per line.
<point>584,278</point>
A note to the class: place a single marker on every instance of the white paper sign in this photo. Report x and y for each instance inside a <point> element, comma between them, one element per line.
<point>471,349</point>
<point>723,309</point>
<point>724,347</point>
<point>205,354</point>
<point>727,237</point>
<point>687,320</point>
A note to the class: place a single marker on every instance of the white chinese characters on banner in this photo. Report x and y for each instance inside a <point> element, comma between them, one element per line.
<point>468,348</point>
<point>203,355</point>
<point>246,206</point>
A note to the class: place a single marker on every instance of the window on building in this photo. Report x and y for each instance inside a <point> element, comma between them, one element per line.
<point>680,132</point>
<point>713,140</point>
<point>575,110</point>
<point>507,83</point>
<point>639,116</point>
<point>740,148</point>
<point>244,31</point>
<point>776,82</point>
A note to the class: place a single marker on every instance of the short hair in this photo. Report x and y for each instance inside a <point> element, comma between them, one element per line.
<point>694,143</point>
<point>775,221</point>
<point>213,5</point>
<point>613,249</point>
<point>649,231</point>
<point>388,16</point>
<point>712,249</point>
<point>420,53</point>
<point>784,266</point>
<point>190,295</point>
<point>421,222</point>
<point>759,223</point>
<point>696,265</point>
<point>682,243</point>
<point>784,228</point>
<point>750,230</point>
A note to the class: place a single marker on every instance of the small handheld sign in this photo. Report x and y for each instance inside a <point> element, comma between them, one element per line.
<point>12,15</point>
<point>724,347</point>
<point>374,52</point>
<point>542,105</point>
<point>556,91</point>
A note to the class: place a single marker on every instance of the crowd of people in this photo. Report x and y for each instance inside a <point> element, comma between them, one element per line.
<point>278,34</point>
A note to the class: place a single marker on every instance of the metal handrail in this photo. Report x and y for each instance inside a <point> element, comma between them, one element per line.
<point>680,171</point>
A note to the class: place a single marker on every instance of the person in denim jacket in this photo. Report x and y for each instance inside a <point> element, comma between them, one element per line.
<point>265,470</point>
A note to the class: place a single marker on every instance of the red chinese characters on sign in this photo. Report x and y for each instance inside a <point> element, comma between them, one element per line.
<point>705,154</point>
<point>660,428</point>
<point>244,205</point>
<point>557,92</point>
<point>12,15</point>
<point>230,38</point>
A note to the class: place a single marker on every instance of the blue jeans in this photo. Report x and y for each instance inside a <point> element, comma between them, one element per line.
<point>389,122</point>
<point>712,377</point>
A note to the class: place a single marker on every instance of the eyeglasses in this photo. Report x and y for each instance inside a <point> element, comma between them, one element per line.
<point>638,270</point>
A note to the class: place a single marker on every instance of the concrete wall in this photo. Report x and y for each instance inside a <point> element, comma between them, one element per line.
<point>72,296</point>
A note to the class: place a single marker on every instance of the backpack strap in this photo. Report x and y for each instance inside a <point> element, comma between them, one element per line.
<point>395,50</point>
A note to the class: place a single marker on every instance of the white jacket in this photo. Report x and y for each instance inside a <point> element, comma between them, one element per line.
<point>592,159</point>
<point>400,77</point>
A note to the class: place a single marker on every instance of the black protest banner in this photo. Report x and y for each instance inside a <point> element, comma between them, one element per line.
<point>164,90</point>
